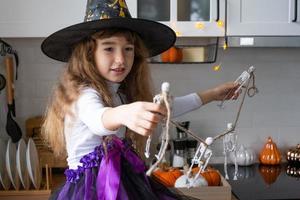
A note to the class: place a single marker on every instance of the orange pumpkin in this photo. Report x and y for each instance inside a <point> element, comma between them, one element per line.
<point>172,55</point>
<point>269,173</point>
<point>167,176</point>
<point>270,155</point>
<point>211,175</point>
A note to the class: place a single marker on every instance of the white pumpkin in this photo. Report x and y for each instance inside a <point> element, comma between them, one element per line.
<point>183,182</point>
<point>244,156</point>
<point>244,172</point>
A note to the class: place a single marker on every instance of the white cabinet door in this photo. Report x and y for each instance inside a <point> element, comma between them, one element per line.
<point>263,18</point>
<point>186,17</point>
<point>132,6</point>
<point>200,18</point>
<point>38,18</point>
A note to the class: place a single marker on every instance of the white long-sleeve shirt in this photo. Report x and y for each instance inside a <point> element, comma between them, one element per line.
<point>84,130</point>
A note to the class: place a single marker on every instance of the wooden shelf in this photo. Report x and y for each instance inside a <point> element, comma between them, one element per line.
<point>192,52</point>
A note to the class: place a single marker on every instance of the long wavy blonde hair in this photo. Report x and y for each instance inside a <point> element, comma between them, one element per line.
<point>81,72</point>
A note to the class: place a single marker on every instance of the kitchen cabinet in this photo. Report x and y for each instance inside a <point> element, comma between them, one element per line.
<point>188,18</point>
<point>38,18</point>
<point>263,18</point>
<point>201,18</point>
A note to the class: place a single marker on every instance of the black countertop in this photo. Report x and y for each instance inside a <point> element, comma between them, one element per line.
<point>262,182</point>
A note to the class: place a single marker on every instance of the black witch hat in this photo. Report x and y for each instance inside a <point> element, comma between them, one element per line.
<point>105,14</point>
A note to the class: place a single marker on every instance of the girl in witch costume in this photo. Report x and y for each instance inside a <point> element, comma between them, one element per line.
<point>101,109</point>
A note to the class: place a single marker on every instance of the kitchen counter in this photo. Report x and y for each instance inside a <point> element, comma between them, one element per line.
<point>262,182</point>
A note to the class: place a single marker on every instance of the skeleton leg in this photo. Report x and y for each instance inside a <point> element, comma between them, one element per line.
<point>207,156</point>
<point>225,166</point>
<point>235,166</point>
<point>158,99</point>
<point>163,142</point>
<point>197,158</point>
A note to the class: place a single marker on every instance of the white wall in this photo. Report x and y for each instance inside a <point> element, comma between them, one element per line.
<point>274,112</point>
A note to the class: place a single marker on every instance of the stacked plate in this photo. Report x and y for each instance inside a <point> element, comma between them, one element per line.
<point>4,179</point>
<point>19,163</point>
<point>22,164</point>
<point>33,166</point>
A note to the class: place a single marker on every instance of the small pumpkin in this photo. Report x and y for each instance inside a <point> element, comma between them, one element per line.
<point>211,175</point>
<point>269,173</point>
<point>293,155</point>
<point>183,182</point>
<point>167,175</point>
<point>244,156</point>
<point>243,173</point>
<point>270,155</point>
<point>172,55</point>
<point>293,170</point>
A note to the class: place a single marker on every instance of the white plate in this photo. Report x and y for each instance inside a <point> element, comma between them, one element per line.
<point>21,164</point>
<point>11,164</point>
<point>4,179</point>
<point>33,165</point>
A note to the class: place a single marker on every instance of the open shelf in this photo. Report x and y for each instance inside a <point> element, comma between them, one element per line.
<point>193,51</point>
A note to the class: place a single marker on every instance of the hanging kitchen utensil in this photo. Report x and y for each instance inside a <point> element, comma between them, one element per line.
<point>6,48</point>
<point>2,82</point>
<point>12,128</point>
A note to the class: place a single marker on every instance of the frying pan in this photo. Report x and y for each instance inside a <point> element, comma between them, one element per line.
<point>12,128</point>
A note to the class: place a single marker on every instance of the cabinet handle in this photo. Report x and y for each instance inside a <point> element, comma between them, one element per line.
<point>295,11</point>
<point>218,10</point>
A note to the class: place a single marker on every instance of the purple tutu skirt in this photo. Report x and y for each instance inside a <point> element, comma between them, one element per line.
<point>118,174</point>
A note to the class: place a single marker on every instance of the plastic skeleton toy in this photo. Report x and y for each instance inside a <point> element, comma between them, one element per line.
<point>203,152</point>
<point>230,137</point>
<point>242,80</point>
<point>163,98</point>
<point>158,99</point>
<point>230,140</point>
<point>230,145</point>
<point>201,158</point>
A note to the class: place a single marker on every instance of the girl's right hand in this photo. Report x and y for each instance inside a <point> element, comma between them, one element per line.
<point>142,117</point>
